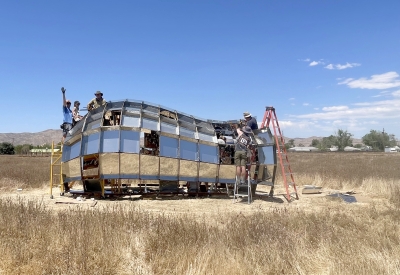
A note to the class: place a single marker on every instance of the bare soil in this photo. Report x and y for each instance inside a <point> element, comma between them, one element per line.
<point>217,204</point>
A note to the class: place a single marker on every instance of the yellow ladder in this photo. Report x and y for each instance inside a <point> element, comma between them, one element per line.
<point>56,169</point>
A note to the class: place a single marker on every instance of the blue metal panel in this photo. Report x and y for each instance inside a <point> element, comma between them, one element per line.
<point>227,180</point>
<point>188,150</point>
<point>186,132</point>
<point>131,121</point>
<point>208,153</point>
<point>66,153</point>
<point>90,144</point>
<point>75,150</point>
<point>150,124</point>
<point>168,147</point>
<point>130,142</point>
<point>266,155</point>
<point>168,128</point>
<point>109,142</point>
<point>71,151</point>
<point>266,138</point>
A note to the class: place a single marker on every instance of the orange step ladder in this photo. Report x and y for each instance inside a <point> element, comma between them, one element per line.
<point>287,174</point>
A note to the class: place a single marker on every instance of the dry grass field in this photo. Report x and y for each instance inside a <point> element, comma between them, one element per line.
<point>313,235</point>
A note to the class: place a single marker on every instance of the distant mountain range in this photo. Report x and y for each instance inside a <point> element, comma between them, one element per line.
<point>39,138</point>
<point>46,137</point>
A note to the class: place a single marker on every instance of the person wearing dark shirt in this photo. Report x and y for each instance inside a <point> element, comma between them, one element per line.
<point>250,121</point>
<point>243,143</point>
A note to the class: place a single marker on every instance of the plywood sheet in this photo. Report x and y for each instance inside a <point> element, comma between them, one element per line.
<point>74,166</point>
<point>227,171</point>
<point>169,166</point>
<point>149,165</point>
<point>188,168</point>
<point>129,164</point>
<point>208,170</point>
<point>109,163</point>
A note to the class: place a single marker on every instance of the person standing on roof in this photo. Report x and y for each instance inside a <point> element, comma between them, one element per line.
<point>97,101</point>
<point>242,145</point>
<point>67,121</point>
<point>250,121</point>
<point>75,113</point>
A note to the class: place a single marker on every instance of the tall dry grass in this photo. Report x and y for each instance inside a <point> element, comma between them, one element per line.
<point>375,173</point>
<point>24,172</point>
<point>335,239</point>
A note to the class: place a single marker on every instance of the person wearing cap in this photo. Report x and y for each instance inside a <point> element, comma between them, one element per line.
<point>250,121</point>
<point>97,101</point>
<point>67,120</point>
<point>75,113</point>
<point>243,143</point>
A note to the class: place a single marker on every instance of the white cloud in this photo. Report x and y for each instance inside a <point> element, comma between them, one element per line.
<point>329,67</point>
<point>379,81</point>
<point>292,98</point>
<point>334,108</point>
<point>306,104</point>
<point>341,67</point>
<point>384,93</point>
<point>305,60</point>
<point>385,109</point>
<point>396,93</point>
<point>316,108</point>
<point>315,63</point>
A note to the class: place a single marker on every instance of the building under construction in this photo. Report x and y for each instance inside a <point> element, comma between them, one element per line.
<point>137,148</point>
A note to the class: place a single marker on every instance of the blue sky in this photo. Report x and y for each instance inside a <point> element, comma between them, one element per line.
<point>324,65</point>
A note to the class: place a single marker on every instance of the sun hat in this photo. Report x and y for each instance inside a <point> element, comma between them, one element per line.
<point>98,93</point>
<point>247,129</point>
<point>246,114</point>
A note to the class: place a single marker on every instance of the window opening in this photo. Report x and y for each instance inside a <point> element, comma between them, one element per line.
<point>151,143</point>
<point>112,118</point>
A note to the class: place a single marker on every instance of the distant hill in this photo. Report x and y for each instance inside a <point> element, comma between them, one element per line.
<point>38,138</point>
<point>50,135</point>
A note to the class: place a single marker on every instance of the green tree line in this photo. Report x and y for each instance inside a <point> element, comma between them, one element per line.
<point>376,140</point>
<point>7,148</point>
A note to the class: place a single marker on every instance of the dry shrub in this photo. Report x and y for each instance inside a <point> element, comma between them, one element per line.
<point>341,239</point>
<point>338,238</point>
<point>346,170</point>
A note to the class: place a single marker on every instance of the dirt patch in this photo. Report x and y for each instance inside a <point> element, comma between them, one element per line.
<point>197,206</point>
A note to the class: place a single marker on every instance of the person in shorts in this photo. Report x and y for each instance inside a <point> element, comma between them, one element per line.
<point>67,113</point>
<point>243,143</point>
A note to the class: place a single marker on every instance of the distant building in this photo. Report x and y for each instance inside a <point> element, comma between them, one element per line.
<point>392,149</point>
<point>351,149</point>
<point>42,152</point>
<point>303,149</point>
